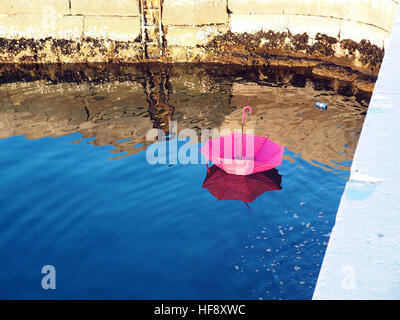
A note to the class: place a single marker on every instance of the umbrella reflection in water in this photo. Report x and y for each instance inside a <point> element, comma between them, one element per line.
<point>226,186</point>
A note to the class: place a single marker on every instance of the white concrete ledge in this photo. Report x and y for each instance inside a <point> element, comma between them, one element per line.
<point>362,260</point>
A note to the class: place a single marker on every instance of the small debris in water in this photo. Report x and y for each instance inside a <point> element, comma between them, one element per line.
<point>321,105</point>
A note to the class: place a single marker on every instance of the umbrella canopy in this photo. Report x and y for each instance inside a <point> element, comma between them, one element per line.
<point>226,186</point>
<point>243,154</point>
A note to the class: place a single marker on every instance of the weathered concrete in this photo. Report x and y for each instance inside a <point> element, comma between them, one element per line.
<point>344,32</point>
<point>115,28</point>
<point>105,7</point>
<point>32,26</point>
<point>371,12</point>
<point>41,7</point>
<point>362,260</point>
<point>69,19</point>
<point>195,12</point>
<point>189,36</point>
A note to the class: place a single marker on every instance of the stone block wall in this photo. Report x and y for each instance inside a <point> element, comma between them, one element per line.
<point>349,32</point>
<point>345,19</point>
<point>70,19</point>
<point>196,22</point>
<point>198,19</point>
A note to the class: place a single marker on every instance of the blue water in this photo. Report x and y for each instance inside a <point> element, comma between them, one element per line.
<point>125,229</point>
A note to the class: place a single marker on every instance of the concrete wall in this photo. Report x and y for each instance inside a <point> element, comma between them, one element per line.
<point>192,22</point>
<point>191,25</point>
<point>70,19</point>
<point>345,19</point>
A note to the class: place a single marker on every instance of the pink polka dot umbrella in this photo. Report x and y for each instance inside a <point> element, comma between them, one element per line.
<point>243,154</point>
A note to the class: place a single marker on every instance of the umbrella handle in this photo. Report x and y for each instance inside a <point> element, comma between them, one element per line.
<point>244,112</point>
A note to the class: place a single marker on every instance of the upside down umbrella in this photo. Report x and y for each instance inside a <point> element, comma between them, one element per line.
<point>243,154</point>
<point>226,186</point>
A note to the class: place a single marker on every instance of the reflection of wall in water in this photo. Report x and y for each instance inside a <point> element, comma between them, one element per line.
<point>288,116</point>
<point>157,90</point>
<point>103,111</point>
<point>113,106</point>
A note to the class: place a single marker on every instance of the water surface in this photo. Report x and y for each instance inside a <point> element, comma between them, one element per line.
<point>78,193</point>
